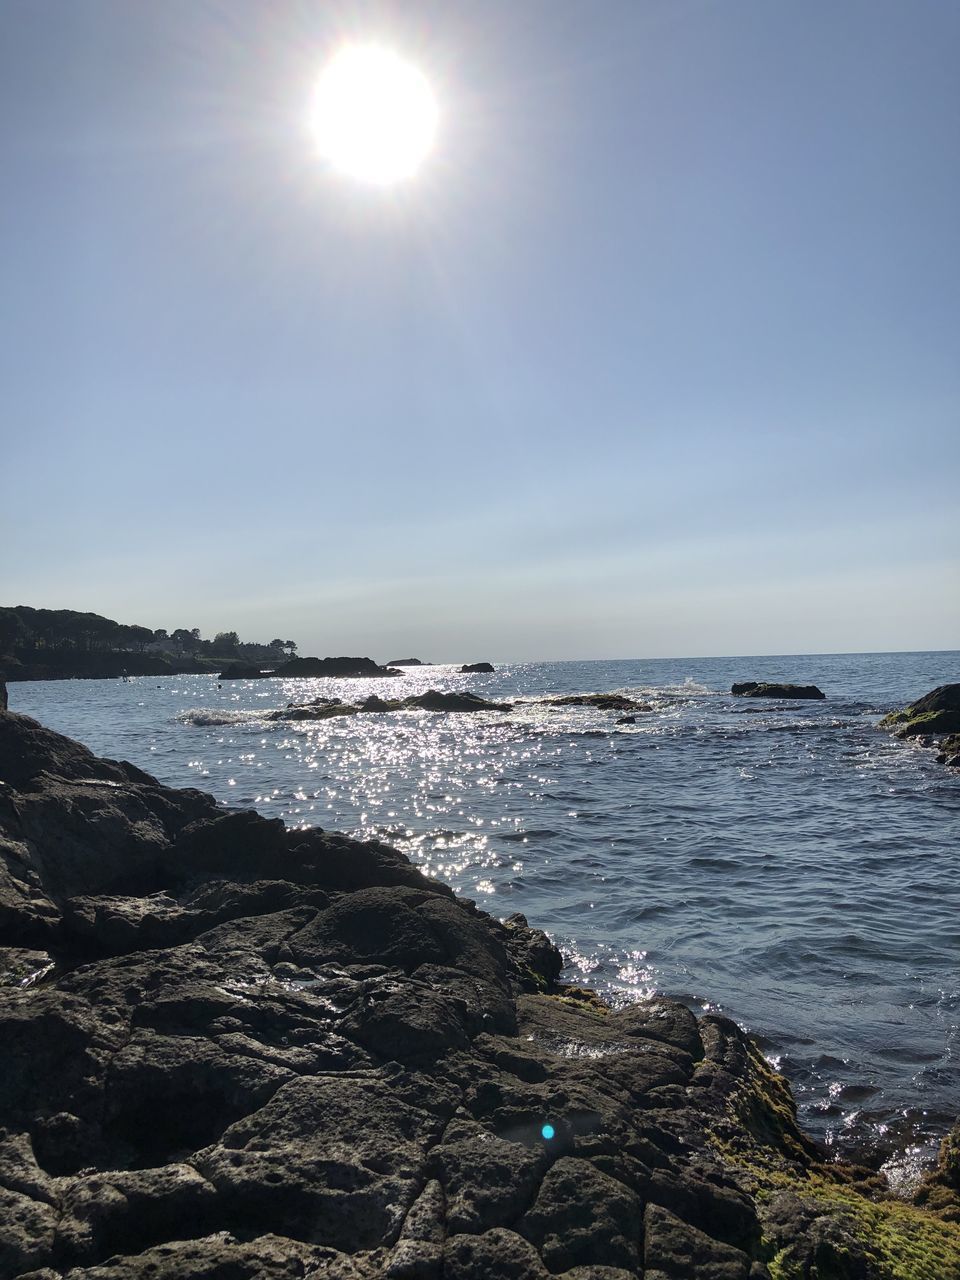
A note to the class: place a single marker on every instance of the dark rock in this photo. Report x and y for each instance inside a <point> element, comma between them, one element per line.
<point>602,701</point>
<point>28,750</point>
<point>222,1257</point>
<point>405,662</point>
<point>674,1250</point>
<point>944,698</point>
<point>476,668</point>
<point>241,671</point>
<point>627,720</point>
<point>3,696</point>
<point>315,711</point>
<point>487,1181</point>
<point>432,700</point>
<point>753,689</point>
<point>343,668</point>
<point>936,713</point>
<point>533,952</point>
<point>665,1021</point>
<point>584,1217</point>
<point>495,1255</point>
<point>940,1190</point>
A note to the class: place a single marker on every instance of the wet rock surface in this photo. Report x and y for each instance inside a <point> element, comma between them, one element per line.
<point>229,1050</point>
<point>432,700</point>
<point>753,689</point>
<point>602,702</point>
<point>933,721</point>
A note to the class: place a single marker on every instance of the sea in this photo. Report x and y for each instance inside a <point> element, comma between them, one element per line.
<point>787,864</point>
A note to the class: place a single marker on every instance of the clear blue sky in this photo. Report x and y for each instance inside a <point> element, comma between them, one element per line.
<point>658,355</point>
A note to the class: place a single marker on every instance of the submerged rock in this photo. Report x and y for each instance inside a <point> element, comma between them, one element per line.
<point>432,700</point>
<point>602,701</point>
<point>346,668</point>
<point>753,689</point>
<point>245,1051</point>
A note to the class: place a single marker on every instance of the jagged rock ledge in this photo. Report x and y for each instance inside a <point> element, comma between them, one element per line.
<point>232,1050</point>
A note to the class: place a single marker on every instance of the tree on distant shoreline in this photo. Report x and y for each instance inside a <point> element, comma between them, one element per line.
<point>47,637</point>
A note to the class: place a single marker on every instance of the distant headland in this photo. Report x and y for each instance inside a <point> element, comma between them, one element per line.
<point>64,644</point>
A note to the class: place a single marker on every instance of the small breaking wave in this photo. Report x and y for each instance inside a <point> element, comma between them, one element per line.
<point>202,717</point>
<point>684,691</point>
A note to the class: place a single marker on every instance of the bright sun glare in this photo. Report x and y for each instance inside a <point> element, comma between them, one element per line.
<point>374,116</point>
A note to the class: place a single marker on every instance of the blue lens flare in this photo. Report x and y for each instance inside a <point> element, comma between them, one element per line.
<point>548,1131</point>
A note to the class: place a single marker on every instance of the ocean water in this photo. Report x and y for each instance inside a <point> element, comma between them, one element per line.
<point>785,863</point>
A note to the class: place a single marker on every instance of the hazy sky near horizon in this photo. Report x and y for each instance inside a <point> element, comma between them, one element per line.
<point>659,354</point>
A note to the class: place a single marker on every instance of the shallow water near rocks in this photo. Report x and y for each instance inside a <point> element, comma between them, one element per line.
<point>785,863</point>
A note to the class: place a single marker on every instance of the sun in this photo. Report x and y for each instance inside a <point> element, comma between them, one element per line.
<point>373,115</point>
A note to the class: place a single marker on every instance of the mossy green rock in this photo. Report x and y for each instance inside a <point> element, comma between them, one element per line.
<point>936,713</point>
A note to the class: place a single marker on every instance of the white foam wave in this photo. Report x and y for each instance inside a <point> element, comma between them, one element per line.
<point>201,716</point>
<point>689,688</point>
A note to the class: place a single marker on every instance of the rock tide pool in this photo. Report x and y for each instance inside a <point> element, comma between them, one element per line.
<point>230,1049</point>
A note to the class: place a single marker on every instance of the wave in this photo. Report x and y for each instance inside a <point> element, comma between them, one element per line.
<point>201,717</point>
<point>687,689</point>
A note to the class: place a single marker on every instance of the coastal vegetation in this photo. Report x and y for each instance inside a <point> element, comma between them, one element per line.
<point>43,644</point>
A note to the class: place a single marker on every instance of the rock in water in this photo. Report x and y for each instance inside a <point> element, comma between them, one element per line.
<point>3,696</point>
<point>432,700</point>
<point>271,1053</point>
<point>602,701</point>
<point>345,668</point>
<point>476,668</point>
<point>937,712</point>
<point>935,720</point>
<point>751,689</point>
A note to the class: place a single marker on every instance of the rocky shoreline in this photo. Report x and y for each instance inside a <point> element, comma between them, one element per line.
<point>229,1049</point>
